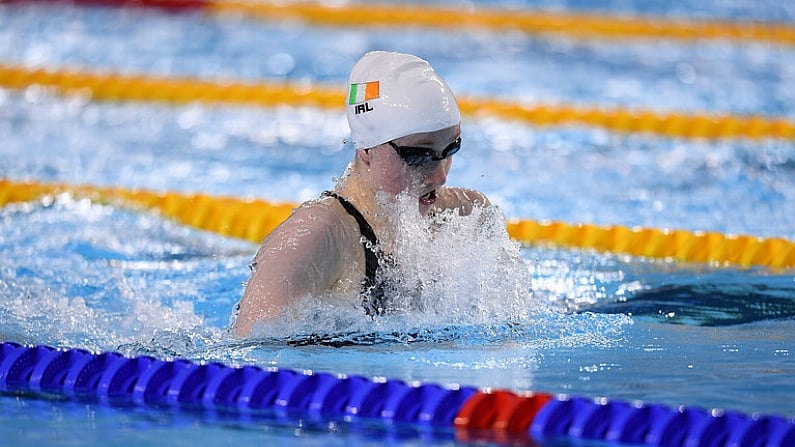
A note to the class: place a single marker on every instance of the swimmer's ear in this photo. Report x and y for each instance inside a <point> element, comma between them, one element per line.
<point>365,156</point>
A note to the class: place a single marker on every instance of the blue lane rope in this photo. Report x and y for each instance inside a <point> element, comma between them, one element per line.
<point>113,379</point>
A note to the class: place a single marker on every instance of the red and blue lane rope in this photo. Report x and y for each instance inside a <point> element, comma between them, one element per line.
<point>113,379</point>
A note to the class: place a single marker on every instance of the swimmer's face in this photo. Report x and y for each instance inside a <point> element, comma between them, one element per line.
<point>426,173</point>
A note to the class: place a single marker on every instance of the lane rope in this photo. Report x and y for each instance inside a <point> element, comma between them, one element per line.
<point>249,220</point>
<point>581,26</point>
<point>110,378</point>
<point>252,220</point>
<point>172,90</point>
<point>576,25</point>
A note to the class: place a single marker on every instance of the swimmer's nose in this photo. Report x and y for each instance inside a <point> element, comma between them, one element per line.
<point>437,175</point>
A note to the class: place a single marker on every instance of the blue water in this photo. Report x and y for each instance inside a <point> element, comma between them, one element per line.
<point>79,274</point>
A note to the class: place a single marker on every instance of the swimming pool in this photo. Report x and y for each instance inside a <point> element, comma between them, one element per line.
<point>77,273</point>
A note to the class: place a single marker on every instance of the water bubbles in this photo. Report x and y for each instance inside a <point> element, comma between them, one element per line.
<point>685,73</point>
<point>454,279</point>
<point>78,273</point>
<point>281,63</point>
<point>37,94</point>
<point>191,117</point>
<point>468,268</point>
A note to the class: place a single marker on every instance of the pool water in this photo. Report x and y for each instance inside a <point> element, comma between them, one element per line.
<point>77,273</point>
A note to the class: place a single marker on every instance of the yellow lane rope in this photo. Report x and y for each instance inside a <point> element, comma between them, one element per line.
<point>243,219</point>
<point>252,220</point>
<point>119,87</point>
<point>583,25</point>
<point>679,245</point>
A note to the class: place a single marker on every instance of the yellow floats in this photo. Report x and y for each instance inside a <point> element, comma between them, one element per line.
<point>678,245</point>
<point>244,219</point>
<point>252,220</point>
<point>584,26</point>
<point>524,20</point>
<point>117,87</point>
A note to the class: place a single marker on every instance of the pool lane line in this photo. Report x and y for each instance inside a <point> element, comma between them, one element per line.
<point>249,220</point>
<point>185,90</point>
<point>252,220</point>
<point>575,25</point>
<point>535,22</point>
<point>282,394</point>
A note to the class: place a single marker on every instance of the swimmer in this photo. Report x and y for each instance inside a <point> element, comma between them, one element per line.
<point>405,128</point>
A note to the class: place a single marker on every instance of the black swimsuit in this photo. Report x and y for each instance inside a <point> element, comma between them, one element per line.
<point>373,299</point>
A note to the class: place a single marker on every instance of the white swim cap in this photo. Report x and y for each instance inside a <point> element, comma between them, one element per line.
<point>391,95</point>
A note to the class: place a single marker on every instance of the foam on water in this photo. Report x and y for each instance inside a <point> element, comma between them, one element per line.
<point>110,279</point>
<point>103,277</point>
<point>454,279</point>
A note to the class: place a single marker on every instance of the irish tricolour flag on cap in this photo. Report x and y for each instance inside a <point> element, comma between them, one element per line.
<point>363,92</point>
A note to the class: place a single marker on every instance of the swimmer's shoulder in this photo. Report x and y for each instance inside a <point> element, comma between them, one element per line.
<point>326,214</point>
<point>340,236</point>
<point>321,212</point>
<point>317,232</point>
<point>312,221</point>
<point>463,199</point>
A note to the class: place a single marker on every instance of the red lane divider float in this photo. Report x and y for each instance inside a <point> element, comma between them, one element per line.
<point>166,5</point>
<point>113,379</point>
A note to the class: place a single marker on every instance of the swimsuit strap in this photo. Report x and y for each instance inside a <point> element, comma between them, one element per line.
<point>370,256</point>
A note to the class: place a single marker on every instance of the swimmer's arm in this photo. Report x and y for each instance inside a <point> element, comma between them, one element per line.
<point>462,199</point>
<point>299,258</point>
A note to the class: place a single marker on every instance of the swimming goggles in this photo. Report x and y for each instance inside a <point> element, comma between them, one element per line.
<point>423,156</point>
